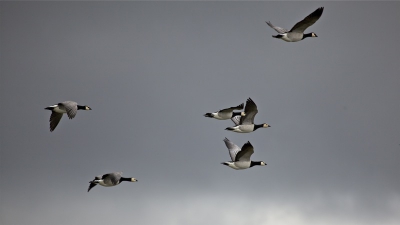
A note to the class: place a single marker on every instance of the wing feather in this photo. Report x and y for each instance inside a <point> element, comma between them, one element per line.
<point>280,30</point>
<point>245,153</point>
<point>236,120</point>
<point>250,111</point>
<point>239,107</point>
<point>309,20</point>
<point>233,149</point>
<point>54,120</point>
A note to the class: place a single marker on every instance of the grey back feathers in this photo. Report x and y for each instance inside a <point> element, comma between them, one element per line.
<point>68,107</point>
<point>297,31</point>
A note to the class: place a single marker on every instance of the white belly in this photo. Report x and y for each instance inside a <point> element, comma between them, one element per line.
<point>240,165</point>
<point>243,128</point>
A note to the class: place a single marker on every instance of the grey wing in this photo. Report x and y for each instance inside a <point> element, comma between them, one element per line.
<point>112,177</point>
<point>239,107</point>
<point>54,120</point>
<point>245,153</point>
<point>236,120</point>
<point>301,26</point>
<point>233,149</point>
<point>71,108</point>
<point>280,30</point>
<point>250,111</point>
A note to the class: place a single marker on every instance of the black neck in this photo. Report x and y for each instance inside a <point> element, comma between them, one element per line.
<point>81,107</point>
<point>306,35</point>
<point>125,179</point>
<point>255,163</point>
<point>256,126</point>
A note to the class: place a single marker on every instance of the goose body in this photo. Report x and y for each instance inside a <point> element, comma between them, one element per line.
<point>245,124</point>
<point>225,114</point>
<point>241,156</point>
<point>68,107</point>
<point>110,180</point>
<point>297,32</point>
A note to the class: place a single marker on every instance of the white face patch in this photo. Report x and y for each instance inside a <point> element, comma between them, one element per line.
<point>133,180</point>
<point>263,164</point>
<point>313,35</point>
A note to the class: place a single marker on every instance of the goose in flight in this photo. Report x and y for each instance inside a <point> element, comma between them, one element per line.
<point>297,32</point>
<point>110,180</point>
<point>245,124</point>
<point>68,107</point>
<point>241,156</point>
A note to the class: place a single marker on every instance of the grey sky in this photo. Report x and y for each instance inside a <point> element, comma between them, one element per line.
<point>150,70</point>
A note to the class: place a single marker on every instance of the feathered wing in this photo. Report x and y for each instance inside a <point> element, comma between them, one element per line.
<point>71,108</point>
<point>54,120</point>
<point>301,26</point>
<point>233,149</point>
<point>236,120</point>
<point>91,185</point>
<point>245,153</point>
<point>239,107</point>
<point>250,111</point>
<point>280,30</point>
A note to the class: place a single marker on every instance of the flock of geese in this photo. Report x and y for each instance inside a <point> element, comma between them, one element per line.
<point>244,121</point>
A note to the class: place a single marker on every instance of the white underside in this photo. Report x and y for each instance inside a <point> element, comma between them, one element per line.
<point>221,117</point>
<point>239,165</point>
<point>243,128</point>
<point>291,37</point>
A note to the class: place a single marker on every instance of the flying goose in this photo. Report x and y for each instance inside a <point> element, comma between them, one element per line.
<point>109,180</point>
<point>227,113</point>
<point>245,124</point>
<point>241,157</point>
<point>297,31</point>
<point>68,107</point>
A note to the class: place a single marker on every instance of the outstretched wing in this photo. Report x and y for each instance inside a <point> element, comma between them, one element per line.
<point>239,107</point>
<point>301,26</point>
<point>280,30</point>
<point>245,153</point>
<point>233,149</point>
<point>91,186</point>
<point>54,120</point>
<point>250,110</point>
<point>236,120</point>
